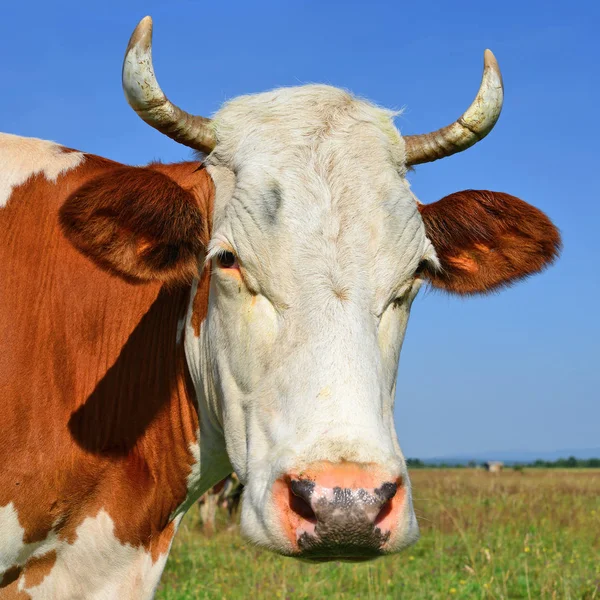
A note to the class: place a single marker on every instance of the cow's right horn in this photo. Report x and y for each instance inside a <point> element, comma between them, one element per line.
<point>147,99</point>
<point>474,125</point>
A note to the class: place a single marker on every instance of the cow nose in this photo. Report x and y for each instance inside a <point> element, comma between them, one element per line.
<point>310,505</point>
<point>340,512</point>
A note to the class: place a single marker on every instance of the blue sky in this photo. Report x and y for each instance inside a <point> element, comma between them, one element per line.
<point>518,370</point>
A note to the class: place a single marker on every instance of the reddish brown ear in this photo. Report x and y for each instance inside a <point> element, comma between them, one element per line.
<point>486,240</point>
<point>137,223</point>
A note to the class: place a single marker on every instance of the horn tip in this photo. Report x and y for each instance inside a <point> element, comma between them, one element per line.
<point>489,60</point>
<point>142,35</point>
<point>491,64</point>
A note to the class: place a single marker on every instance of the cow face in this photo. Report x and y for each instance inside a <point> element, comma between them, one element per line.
<point>318,250</point>
<point>317,240</point>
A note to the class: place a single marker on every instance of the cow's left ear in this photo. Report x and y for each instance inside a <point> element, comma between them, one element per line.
<point>138,223</point>
<point>486,240</point>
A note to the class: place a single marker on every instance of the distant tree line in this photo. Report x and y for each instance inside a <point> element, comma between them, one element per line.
<point>567,463</point>
<point>417,463</point>
<point>561,463</point>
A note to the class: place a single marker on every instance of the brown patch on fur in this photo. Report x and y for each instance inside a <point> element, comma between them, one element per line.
<point>9,576</point>
<point>38,567</point>
<point>200,305</point>
<point>98,409</point>
<point>138,223</point>
<point>487,240</point>
<point>162,542</point>
<point>12,592</point>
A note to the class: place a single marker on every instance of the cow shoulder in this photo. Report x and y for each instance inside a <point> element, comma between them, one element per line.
<point>486,240</point>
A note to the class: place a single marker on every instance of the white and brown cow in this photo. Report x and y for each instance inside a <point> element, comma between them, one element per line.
<point>225,494</point>
<point>163,324</point>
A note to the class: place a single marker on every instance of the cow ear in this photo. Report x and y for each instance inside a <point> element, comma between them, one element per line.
<point>487,240</point>
<point>137,223</point>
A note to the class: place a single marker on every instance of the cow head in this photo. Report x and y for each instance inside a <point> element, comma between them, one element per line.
<point>317,250</point>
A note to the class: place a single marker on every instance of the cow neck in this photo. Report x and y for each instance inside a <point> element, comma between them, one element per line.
<point>95,384</point>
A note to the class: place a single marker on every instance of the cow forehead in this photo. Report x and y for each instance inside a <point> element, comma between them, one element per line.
<point>287,121</point>
<point>313,179</point>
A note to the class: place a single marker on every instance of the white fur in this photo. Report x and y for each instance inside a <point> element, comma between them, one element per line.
<point>311,195</point>
<point>22,158</point>
<point>209,438</point>
<point>96,566</point>
<point>14,551</point>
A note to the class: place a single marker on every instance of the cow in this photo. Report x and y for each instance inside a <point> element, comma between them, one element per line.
<point>226,494</point>
<point>493,466</point>
<point>163,326</point>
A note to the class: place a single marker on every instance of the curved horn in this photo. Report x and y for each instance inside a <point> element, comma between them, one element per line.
<point>147,99</point>
<point>474,125</point>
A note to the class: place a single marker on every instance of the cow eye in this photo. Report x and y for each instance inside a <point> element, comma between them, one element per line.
<point>227,260</point>
<point>420,268</point>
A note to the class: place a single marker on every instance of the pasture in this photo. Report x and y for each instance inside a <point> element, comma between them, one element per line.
<point>534,534</point>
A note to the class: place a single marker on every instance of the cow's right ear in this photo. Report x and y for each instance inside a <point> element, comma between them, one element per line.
<point>485,241</point>
<point>137,223</point>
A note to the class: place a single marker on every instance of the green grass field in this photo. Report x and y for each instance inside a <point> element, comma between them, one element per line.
<point>534,534</point>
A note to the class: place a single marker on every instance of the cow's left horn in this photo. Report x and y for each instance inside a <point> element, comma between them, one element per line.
<point>147,99</point>
<point>474,125</point>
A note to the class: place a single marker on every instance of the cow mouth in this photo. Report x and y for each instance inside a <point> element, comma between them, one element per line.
<point>316,549</point>
<point>347,559</point>
<point>325,559</point>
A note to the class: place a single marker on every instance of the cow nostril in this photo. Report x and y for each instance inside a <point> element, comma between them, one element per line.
<point>302,488</point>
<point>386,509</point>
<point>387,491</point>
<point>300,493</point>
<point>302,509</point>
